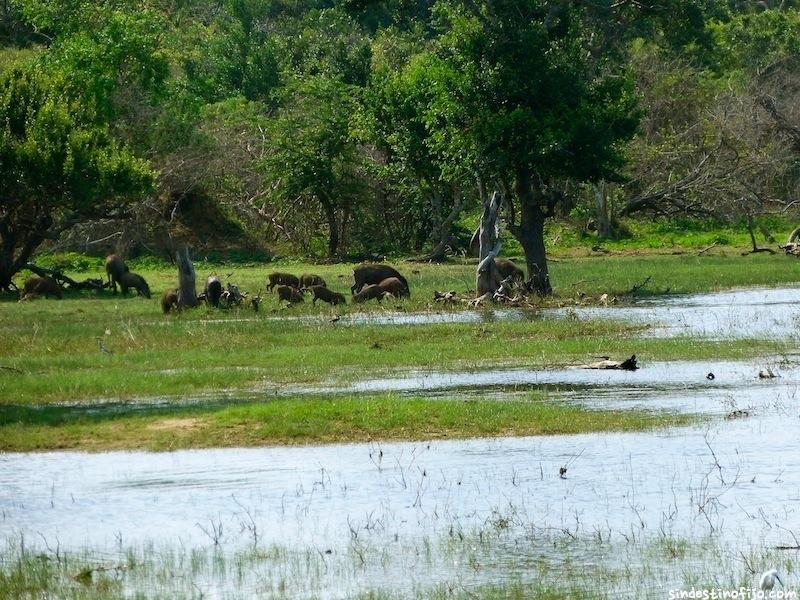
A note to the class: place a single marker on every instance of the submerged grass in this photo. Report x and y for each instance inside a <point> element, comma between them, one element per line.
<point>309,419</point>
<point>489,564</point>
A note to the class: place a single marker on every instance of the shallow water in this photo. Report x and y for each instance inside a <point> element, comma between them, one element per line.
<point>400,494</point>
<point>745,313</point>
<point>736,479</point>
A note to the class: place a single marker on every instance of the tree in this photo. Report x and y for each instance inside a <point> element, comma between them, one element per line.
<point>522,102</point>
<point>721,143</point>
<point>312,159</point>
<point>59,167</point>
<point>394,121</point>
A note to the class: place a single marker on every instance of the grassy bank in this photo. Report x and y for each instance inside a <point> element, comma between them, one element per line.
<point>91,348</point>
<point>309,419</point>
<point>94,350</point>
<point>593,275</point>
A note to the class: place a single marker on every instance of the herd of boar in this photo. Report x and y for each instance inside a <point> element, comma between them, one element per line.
<point>371,281</point>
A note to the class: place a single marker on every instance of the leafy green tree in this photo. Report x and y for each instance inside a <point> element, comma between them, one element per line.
<point>520,100</point>
<point>59,167</point>
<point>312,157</point>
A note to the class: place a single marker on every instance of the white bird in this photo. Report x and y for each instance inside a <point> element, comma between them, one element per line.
<point>768,579</point>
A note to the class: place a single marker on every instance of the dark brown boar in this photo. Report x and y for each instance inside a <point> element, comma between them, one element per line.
<point>290,294</point>
<point>137,282</point>
<point>169,301</point>
<point>115,269</point>
<point>274,279</point>
<point>322,293</point>
<point>213,291</point>
<point>507,268</point>
<point>308,280</point>
<point>368,293</point>
<point>368,274</point>
<point>395,287</point>
<point>41,286</point>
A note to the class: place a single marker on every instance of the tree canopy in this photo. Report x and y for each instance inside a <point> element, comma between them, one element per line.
<point>352,128</point>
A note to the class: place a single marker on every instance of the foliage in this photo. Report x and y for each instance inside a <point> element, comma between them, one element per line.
<point>357,127</point>
<point>59,166</point>
<point>313,158</point>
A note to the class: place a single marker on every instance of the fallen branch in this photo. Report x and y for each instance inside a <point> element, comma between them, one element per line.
<point>444,297</point>
<point>707,248</point>
<point>635,289</point>
<point>64,281</point>
<point>625,365</point>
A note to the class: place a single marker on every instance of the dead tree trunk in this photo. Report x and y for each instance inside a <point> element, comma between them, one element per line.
<point>791,246</point>
<point>487,277</point>
<point>187,293</point>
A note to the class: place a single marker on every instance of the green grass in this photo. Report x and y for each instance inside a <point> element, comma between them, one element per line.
<point>56,357</point>
<point>594,275</point>
<point>312,419</point>
<point>94,347</point>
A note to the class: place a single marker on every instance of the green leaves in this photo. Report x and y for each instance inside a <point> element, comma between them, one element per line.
<point>54,157</point>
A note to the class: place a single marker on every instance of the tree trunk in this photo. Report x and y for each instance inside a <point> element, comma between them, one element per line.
<point>436,215</point>
<point>6,267</point>
<point>438,254</point>
<point>601,210</point>
<point>487,278</point>
<point>35,234</point>
<point>187,292</point>
<point>333,229</point>
<point>530,234</point>
<point>751,232</point>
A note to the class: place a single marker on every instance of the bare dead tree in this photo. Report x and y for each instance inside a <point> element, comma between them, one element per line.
<point>187,292</point>
<point>487,278</point>
<point>732,155</point>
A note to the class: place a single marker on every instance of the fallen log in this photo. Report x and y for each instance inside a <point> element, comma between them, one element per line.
<point>444,297</point>
<point>64,281</point>
<point>625,365</point>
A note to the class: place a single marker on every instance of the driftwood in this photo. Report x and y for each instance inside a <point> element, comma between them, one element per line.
<point>64,281</point>
<point>625,365</point>
<point>232,296</point>
<point>187,293</point>
<point>487,278</point>
<point>791,246</point>
<point>444,297</point>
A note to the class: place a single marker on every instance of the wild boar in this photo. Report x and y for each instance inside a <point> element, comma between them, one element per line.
<point>395,287</point>
<point>41,286</point>
<point>367,274</point>
<point>274,279</point>
<point>507,268</point>
<point>368,293</point>
<point>290,294</point>
<point>308,280</point>
<point>322,293</point>
<point>115,268</point>
<point>213,291</point>
<point>169,301</point>
<point>137,282</point>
